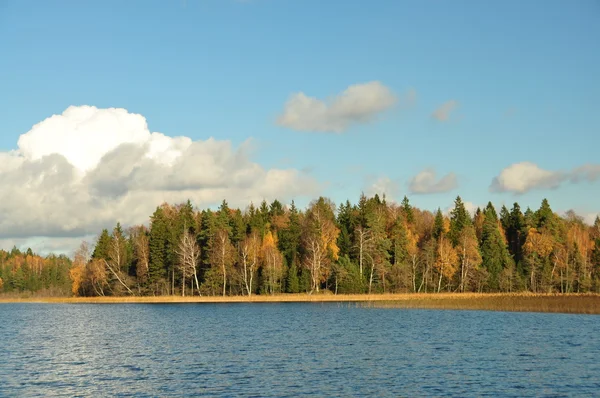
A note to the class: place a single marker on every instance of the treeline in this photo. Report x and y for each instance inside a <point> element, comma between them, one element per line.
<point>28,272</point>
<point>370,247</point>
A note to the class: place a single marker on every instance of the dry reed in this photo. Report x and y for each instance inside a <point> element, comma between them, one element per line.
<point>529,302</point>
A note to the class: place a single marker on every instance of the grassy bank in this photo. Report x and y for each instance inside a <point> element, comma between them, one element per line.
<point>565,303</point>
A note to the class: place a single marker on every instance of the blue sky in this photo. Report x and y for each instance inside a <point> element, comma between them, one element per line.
<point>524,76</point>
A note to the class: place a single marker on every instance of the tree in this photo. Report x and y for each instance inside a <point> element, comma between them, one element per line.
<point>516,232</point>
<point>438,225</point>
<point>102,246</point>
<point>188,254</point>
<point>407,211</point>
<point>272,263</point>
<point>249,252</point>
<point>494,253</point>
<point>141,252</point>
<point>157,247</point>
<point>77,272</point>
<point>379,248</point>
<point>537,247</point>
<point>320,241</point>
<point>459,220</point>
<point>222,254</point>
<point>292,283</point>
<point>469,254</point>
<point>446,260</point>
<point>290,237</point>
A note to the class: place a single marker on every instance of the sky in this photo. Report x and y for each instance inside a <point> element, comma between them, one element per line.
<point>108,108</point>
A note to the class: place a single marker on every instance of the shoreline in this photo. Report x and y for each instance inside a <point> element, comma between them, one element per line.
<point>584,303</point>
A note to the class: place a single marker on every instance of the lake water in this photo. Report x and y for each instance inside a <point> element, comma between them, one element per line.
<point>293,349</point>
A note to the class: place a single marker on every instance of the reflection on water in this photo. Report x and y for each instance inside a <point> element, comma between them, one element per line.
<point>292,349</point>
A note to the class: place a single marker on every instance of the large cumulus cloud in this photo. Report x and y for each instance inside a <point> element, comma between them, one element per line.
<point>83,170</point>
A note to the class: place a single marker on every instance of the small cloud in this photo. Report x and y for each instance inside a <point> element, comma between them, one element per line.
<point>442,113</point>
<point>357,104</point>
<point>522,177</point>
<point>425,182</point>
<point>383,186</point>
<point>469,206</point>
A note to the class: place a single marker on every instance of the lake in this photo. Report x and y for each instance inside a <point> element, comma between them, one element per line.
<point>293,349</point>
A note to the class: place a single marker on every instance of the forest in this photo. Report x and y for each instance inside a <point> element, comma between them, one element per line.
<point>369,247</point>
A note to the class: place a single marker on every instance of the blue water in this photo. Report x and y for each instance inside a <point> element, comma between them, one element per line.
<point>293,350</point>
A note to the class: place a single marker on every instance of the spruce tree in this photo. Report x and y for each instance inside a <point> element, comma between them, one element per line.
<point>438,225</point>
<point>494,252</point>
<point>459,219</point>
<point>293,283</point>
<point>407,211</point>
<point>157,247</point>
<point>289,237</point>
<point>102,246</point>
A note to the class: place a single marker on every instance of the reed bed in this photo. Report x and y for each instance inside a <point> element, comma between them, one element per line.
<point>526,302</point>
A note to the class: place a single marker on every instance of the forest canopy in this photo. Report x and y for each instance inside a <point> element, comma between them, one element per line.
<point>373,246</point>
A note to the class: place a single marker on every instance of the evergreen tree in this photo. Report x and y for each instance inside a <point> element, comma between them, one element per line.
<point>399,242</point>
<point>494,252</point>
<point>407,211</point>
<point>438,225</point>
<point>346,223</point>
<point>292,283</point>
<point>459,219</point>
<point>516,232</point>
<point>505,218</point>
<point>102,246</point>
<point>289,238</point>
<point>157,247</point>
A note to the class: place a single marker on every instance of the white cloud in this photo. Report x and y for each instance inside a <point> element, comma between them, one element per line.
<point>81,171</point>
<point>522,177</point>
<point>469,206</point>
<point>381,186</point>
<point>359,103</point>
<point>442,113</point>
<point>426,182</point>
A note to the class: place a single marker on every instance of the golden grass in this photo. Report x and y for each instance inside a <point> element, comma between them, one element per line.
<point>565,303</point>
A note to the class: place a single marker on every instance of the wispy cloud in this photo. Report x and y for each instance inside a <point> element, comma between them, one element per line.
<point>443,113</point>
<point>426,182</point>
<point>359,103</point>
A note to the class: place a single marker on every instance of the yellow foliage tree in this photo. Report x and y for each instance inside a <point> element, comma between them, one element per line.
<point>537,246</point>
<point>446,260</point>
<point>272,262</point>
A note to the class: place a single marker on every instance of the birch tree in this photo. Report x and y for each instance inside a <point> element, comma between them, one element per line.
<point>188,254</point>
